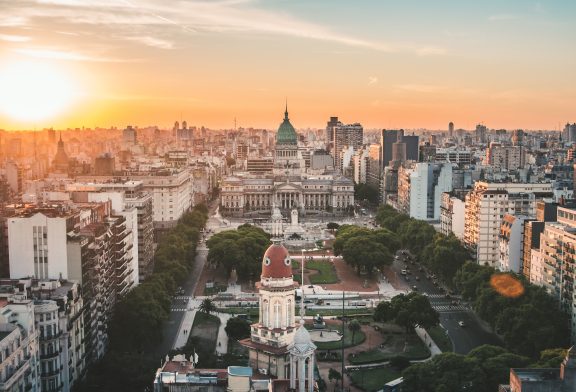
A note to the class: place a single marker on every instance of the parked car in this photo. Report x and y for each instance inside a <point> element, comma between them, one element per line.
<point>462,324</point>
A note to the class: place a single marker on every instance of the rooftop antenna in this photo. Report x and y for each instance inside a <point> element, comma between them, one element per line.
<point>234,123</point>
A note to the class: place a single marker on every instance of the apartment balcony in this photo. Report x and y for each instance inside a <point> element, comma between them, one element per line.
<point>16,375</point>
<point>51,355</point>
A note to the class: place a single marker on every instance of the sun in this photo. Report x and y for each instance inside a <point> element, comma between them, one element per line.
<point>32,91</point>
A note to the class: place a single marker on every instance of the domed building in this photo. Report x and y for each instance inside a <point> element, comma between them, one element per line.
<point>274,331</point>
<point>288,159</point>
<point>290,185</point>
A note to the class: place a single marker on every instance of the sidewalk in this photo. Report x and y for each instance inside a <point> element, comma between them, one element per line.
<point>185,325</point>
<point>423,335</point>
<point>222,346</point>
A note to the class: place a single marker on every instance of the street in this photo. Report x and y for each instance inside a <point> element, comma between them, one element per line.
<point>451,308</point>
<point>180,302</point>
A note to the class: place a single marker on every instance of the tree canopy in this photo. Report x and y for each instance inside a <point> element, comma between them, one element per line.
<point>482,370</point>
<point>529,323</point>
<point>240,249</point>
<point>365,249</point>
<point>408,311</point>
<point>237,329</point>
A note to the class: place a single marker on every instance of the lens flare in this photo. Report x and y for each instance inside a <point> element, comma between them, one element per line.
<point>507,285</point>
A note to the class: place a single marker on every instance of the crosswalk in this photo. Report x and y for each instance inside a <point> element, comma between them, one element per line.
<point>186,297</point>
<point>179,309</point>
<point>449,308</point>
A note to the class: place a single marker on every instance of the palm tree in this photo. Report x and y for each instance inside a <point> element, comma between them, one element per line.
<point>207,306</point>
<point>354,326</point>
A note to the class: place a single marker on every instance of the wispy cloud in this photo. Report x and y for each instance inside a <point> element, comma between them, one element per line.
<point>62,55</point>
<point>14,38</point>
<point>195,16</point>
<point>153,42</point>
<point>503,17</point>
<point>372,80</point>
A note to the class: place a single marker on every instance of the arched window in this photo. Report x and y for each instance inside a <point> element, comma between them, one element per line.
<point>277,314</point>
<point>265,311</point>
<point>289,315</point>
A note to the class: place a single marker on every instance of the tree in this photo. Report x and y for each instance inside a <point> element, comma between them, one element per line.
<point>408,311</point>
<point>237,329</point>
<point>354,326</point>
<point>334,374</point>
<point>416,235</point>
<point>332,226</point>
<point>366,255</point>
<point>366,192</point>
<point>240,249</point>
<point>207,306</point>
<point>399,362</point>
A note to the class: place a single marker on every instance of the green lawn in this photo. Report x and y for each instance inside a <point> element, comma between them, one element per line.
<point>373,379</point>
<point>326,273</point>
<point>409,346</point>
<point>441,338</point>
<point>359,337</point>
<point>205,329</point>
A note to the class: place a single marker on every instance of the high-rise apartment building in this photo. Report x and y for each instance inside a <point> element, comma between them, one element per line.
<point>87,245</point>
<point>346,135</point>
<point>486,205</point>
<point>19,367</point>
<point>420,188</point>
<point>506,157</point>
<point>389,137</point>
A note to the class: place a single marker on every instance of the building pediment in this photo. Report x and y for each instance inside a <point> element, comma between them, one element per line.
<point>288,187</point>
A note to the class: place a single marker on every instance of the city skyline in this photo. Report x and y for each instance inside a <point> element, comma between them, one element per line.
<point>416,65</point>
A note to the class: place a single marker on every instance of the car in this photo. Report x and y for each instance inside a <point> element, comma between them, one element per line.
<point>415,288</point>
<point>454,303</point>
<point>404,272</point>
<point>397,257</point>
<point>462,324</point>
<point>310,287</point>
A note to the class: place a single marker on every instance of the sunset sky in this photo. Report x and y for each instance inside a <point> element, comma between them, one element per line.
<point>385,64</point>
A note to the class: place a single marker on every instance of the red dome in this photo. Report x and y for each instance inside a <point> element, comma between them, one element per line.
<point>276,262</point>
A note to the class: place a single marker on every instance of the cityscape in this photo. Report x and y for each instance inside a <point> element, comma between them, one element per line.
<point>287,196</point>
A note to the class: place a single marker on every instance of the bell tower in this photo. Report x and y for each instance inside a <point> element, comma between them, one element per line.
<point>274,331</point>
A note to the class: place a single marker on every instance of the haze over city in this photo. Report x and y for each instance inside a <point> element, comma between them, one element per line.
<point>416,64</point>
<point>287,196</point>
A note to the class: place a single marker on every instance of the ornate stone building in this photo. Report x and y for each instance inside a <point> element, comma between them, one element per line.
<point>274,331</point>
<point>278,346</point>
<point>288,187</point>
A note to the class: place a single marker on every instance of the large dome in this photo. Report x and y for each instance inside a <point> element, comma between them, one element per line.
<point>286,133</point>
<point>276,263</point>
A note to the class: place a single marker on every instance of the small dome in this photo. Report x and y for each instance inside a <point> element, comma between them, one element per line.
<point>276,262</point>
<point>286,133</point>
<point>302,336</point>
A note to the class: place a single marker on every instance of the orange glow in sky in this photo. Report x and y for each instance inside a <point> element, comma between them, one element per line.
<point>414,64</point>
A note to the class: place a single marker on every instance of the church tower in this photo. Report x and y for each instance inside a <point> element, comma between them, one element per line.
<point>60,162</point>
<point>274,331</point>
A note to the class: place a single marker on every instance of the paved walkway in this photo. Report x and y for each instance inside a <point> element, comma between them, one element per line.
<point>222,346</point>
<point>185,328</point>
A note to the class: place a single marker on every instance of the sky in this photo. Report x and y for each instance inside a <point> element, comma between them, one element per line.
<point>383,63</point>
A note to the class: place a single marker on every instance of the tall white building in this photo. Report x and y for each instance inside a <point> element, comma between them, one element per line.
<point>512,243</point>
<point>420,189</point>
<point>452,211</point>
<point>486,205</point>
<point>19,367</point>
